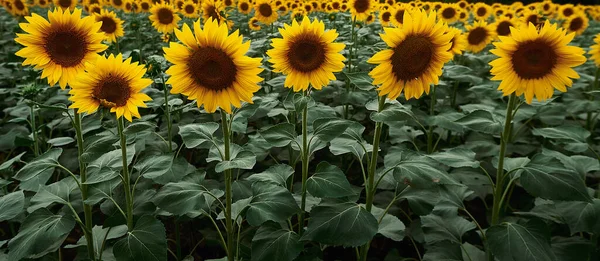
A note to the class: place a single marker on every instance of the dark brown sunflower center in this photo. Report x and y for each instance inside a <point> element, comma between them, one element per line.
<point>95,10</point>
<point>128,6</point>
<point>462,15</point>
<point>112,91</point>
<point>254,23</point>
<point>118,2</point>
<point>576,24</point>
<point>546,7</point>
<point>19,5</point>
<point>179,4</point>
<point>449,13</point>
<point>212,68</point>
<point>66,47</point>
<point>477,35</point>
<point>244,6</point>
<point>65,3</point>
<point>534,59</point>
<point>165,16</point>
<point>228,2</point>
<point>190,9</point>
<point>503,28</point>
<point>412,57</point>
<point>145,6</point>
<point>568,12</point>
<point>399,16</point>
<point>386,16</point>
<point>265,10</point>
<point>42,2</point>
<point>109,25</point>
<point>211,11</point>
<point>306,54</point>
<point>481,11</point>
<point>361,6</point>
<point>335,5</point>
<point>532,19</point>
<point>308,8</point>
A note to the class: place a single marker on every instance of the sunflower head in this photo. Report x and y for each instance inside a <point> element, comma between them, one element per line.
<point>112,26</point>
<point>458,43</point>
<point>398,14</point>
<point>94,9</point>
<point>360,9</point>
<point>535,62</point>
<point>595,51</point>
<point>449,13</point>
<point>164,18</point>
<point>145,6</point>
<point>265,11</point>
<point>254,24</point>
<point>20,8</point>
<point>577,23</point>
<point>306,54</point>
<point>482,11</point>
<point>211,9</point>
<point>385,17</point>
<point>565,11</point>
<point>245,7</point>
<point>502,26</point>
<point>479,35</point>
<point>189,9</point>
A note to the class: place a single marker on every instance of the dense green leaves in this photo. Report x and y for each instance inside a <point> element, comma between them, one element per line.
<point>328,182</point>
<point>146,242</point>
<point>279,135</point>
<point>186,196</point>
<point>273,244</point>
<point>510,241</point>
<point>198,134</point>
<point>277,174</point>
<point>451,228</point>
<point>270,203</point>
<point>42,165</point>
<point>481,121</point>
<point>12,205</point>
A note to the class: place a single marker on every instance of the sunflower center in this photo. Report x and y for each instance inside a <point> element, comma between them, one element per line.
<point>306,54</point>
<point>19,5</point>
<point>118,2</point>
<point>64,3</point>
<point>503,28</point>
<point>42,2</point>
<point>477,35</point>
<point>568,12</point>
<point>265,10</point>
<point>386,16</point>
<point>211,11</point>
<point>335,5</point>
<point>254,23</point>
<point>112,91</point>
<point>212,68</point>
<point>399,16</point>
<point>481,11</point>
<point>179,4</point>
<point>534,59</point>
<point>228,2</point>
<point>108,25</point>
<point>165,16</point>
<point>412,57</point>
<point>462,15</point>
<point>576,24</point>
<point>244,6</point>
<point>145,6</point>
<point>190,9</point>
<point>449,13</point>
<point>66,47</point>
<point>532,19</point>
<point>361,6</point>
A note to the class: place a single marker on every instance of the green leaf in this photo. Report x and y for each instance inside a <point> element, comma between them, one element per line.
<point>198,134</point>
<point>107,166</point>
<point>61,141</point>
<point>103,190</point>
<point>101,234</point>
<point>12,205</point>
<point>139,126</point>
<point>572,136</point>
<point>326,129</point>
<point>351,141</point>
<point>279,135</point>
<point>239,159</point>
<point>270,202</point>
<point>41,233</point>
<point>572,248</point>
<point>340,224</point>
<point>178,169</point>
<point>481,121</point>
<point>43,164</point>
<point>8,163</point>
<point>456,158</point>
<point>389,225</point>
<point>146,242</point>
<point>153,166</point>
<point>462,74</point>
<point>450,228</point>
<point>57,192</point>
<point>510,241</point>
<point>393,112</point>
<point>277,174</point>
<point>580,216</point>
<point>329,182</point>
<point>186,196</point>
<point>444,251</point>
<point>361,80</point>
<point>98,145</point>
<point>276,244</point>
<point>420,173</point>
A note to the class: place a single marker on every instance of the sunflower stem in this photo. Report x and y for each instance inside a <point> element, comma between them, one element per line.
<point>347,106</point>
<point>126,178</point>
<point>370,186</point>
<point>228,192</point>
<point>87,209</point>
<point>36,148</point>
<point>590,119</point>
<point>430,146</point>
<point>167,112</point>
<point>305,157</point>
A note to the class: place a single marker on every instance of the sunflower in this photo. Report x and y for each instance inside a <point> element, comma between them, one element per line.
<point>307,55</point>
<point>20,8</point>
<point>370,19</point>
<point>463,16</point>
<point>43,3</point>
<point>189,9</point>
<point>449,13</point>
<point>463,4</point>
<point>297,14</point>
<point>245,7</point>
<point>212,9</point>
<point>254,24</point>
<point>458,43</point>
<point>145,6</point>
<point>360,9</point>
<point>398,14</point>
<point>479,35</point>
<point>418,52</point>
<point>565,11</point>
<point>335,5</point>
<point>65,4</point>
<point>228,3</point>
<point>118,4</point>
<point>502,26</point>
<point>112,83</point>
<point>482,11</point>
<point>128,7</point>
<point>112,26</point>
<point>547,8</point>
<point>595,51</point>
<point>179,4</point>
<point>164,18</point>
<point>577,23</point>
<point>94,9</point>
<point>509,14</point>
<point>531,17</point>
<point>61,47</point>
<point>211,67</point>
<point>534,63</point>
<point>283,10</point>
<point>385,18</point>
<point>265,11</point>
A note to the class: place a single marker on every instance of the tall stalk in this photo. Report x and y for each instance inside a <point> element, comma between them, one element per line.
<point>370,186</point>
<point>36,147</point>
<point>167,112</point>
<point>590,119</point>
<point>228,193</point>
<point>126,179</point>
<point>431,114</point>
<point>347,106</point>
<point>87,209</point>
<point>305,157</point>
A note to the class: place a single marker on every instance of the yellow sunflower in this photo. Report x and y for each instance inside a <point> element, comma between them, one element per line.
<point>254,24</point>
<point>547,8</point>
<point>20,8</point>
<point>463,16</point>
<point>128,7</point>
<point>112,26</point>
<point>449,13</point>
<point>577,23</point>
<point>385,17</point>
<point>418,51</point>
<point>502,26</point>
<point>533,17</point>
<point>370,19</point>
<point>145,5</point>
<point>265,11</point>
<point>479,35</point>
<point>211,67</point>
<point>189,9</point>
<point>112,83</point>
<point>211,9</point>
<point>61,47</point>
<point>245,7</point>
<point>398,14</point>
<point>595,51</point>
<point>360,9</point>
<point>458,43</point>
<point>65,4</point>
<point>43,3</point>
<point>118,4</point>
<point>482,11</point>
<point>565,11</point>
<point>94,9</point>
<point>534,63</point>
<point>164,18</point>
<point>307,55</point>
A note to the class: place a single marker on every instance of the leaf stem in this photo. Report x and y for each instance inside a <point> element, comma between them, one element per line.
<point>167,112</point>
<point>36,148</point>
<point>431,114</point>
<point>228,194</point>
<point>305,157</point>
<point>126,178</point>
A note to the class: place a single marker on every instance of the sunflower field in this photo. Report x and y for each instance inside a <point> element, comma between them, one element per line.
<point>280,130</point>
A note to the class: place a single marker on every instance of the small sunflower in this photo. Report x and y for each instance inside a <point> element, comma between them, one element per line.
<point>297,14</point>
<point>211,9</point>
<point>370,19</point>
<point>385,17</point>
<point>228,3</point>
<point>211,67</point>
<point>482,11</point>
<point>533,17</point>
<point>111,83</point>
<point>145,6</point>
<point>534,63</point>
<point>245,7</point>
<point>65,4</point>
<point>398,14</point>
<point>164,18</point>
<point>458,43</point>
<point>253,23</point>
<point>128,7</point>
<point>577,23</point>
<point>118,4</point>
<point>94,9</point>
<point>418,52</point>
<point>112,26</point>
<point>547,8</point>
<point>265,11</point>
<point>479,35</point>
<point>189,9</point>
<point>61,47</point>
<point>307,55</point>
<point>463,16</point>
<point>43,3</point>
<point>360,9</point>
<point>595,51</point>
<point>283,10</point>
<point>449,13</point>
<point>565,11</point>
<point>502,26</point>
<point>20,8</point>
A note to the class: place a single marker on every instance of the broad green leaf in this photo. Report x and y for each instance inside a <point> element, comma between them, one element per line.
<point>8,163</point>
<point>389,225</point>
<point>139,126</point>
<point>103,190</point>
<point>107,166</point>
<point>326,129</point>
<point>275,244</point>
<point>572,248</point>
<point>98,145</point>
<point>101,234</point>
<point>472,253</point>
<point>476,180</point>
<point>236,209</point>
<point>481,121</point>
<point>580,164</point>
<point>351,141</point>
<point>270,202</point>
<point>198,134</point>
<point>12,205</point>
<point>178,169</point>
<point>329,182</point>
<point>277,174</point>
<point>572,136</point>
<point>340,224</point>
<point>450,228</point>
<point>43,164</point>
<point>185,196</point>
<point>580,216</point>
<point>420,200</point>
<point>462,74</point>
<point>41,233</point>
<point>420,173</point>
<point>444,251</point>
<point>456,158</point>
<point>393,112</point>
<point>146,242</point>
<point>279,135</point>
<point>452,197</point>
<point>514,242</point>
<point>361,80</point>
<point>61,141</point>
<point>57,192</point>
<point>153,166</point>
<point>240,159</point>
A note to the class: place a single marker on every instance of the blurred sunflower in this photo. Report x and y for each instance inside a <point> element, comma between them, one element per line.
<point>65,4</point>
<point>565,11</point>
<point>189,9</point>
<point>531,17</point>
<point>179,4</point>
<point>547,8</point>
<point>254,24</point>
<point>481,11</point>
<point>20,8</point>
<point>118,4</point>
<point>385,18</point>
<point>245,7</point>
<point>212,9</point>
<point>458,43</point>
<point>577,23</point>
<point>418,52</point>
<point>211,67</point>
<point>360,9</point>
<point>534,63</point>
<point>370,19</point>
<point>449,13</point>
<point>595,51</point>
<point>228,3</point>
<point>509,14</point>
<point>164,18</point>
<point>479,35</point>
<point>307,55</point>
<point>502,26</point>
<point>297,14</point>
<point>128,7</point>
<point>94,9</point>
<point>112,26</point>
<point>145,6</point>
<point>265,11</point>
<point>398,14</point>
<point>111,83</point>
<point>43,3</point>
<point>61,47</point>
<point>463,16</point>
<point>463,4</point>
<point>283,10</point>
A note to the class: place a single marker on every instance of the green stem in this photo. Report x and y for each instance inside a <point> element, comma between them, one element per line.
<point>167,113</point>
<point>347,106</point>
<point>370,186</point>
<point>228,193</point>
<point>126,178</point>
<point>36,148</point>
<point>431,114</point>
<point>87,209</point>
<point>305,156</point>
